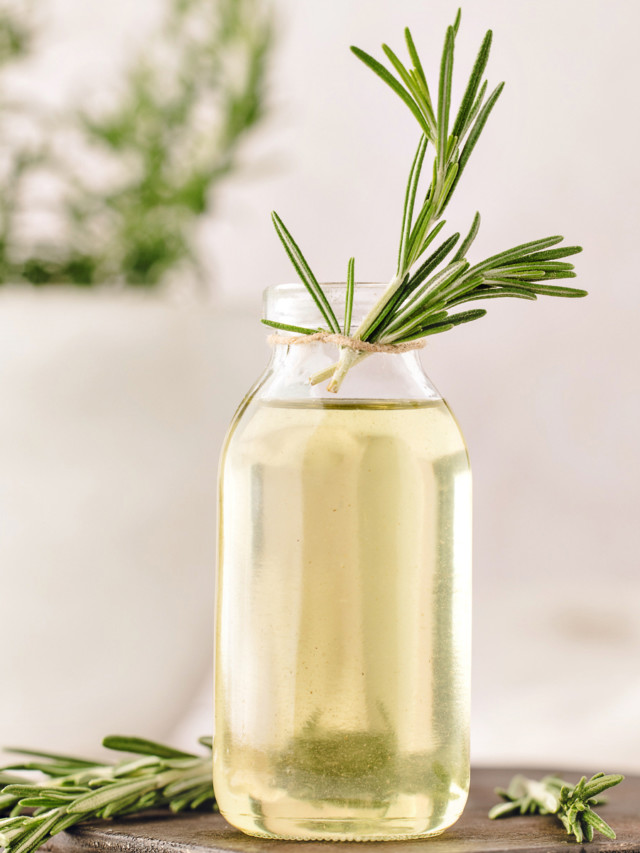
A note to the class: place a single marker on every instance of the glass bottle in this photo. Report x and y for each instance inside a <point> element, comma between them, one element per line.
<point>343,607</point>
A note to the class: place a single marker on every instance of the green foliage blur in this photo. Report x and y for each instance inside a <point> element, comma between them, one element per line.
<point>131,178</point>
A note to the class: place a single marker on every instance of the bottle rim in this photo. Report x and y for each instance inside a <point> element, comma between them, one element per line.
<point>291,303</point>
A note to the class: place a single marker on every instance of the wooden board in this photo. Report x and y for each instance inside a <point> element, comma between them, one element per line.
<point>473,833</point>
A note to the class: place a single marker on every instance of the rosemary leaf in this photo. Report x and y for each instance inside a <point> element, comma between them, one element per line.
<point>420,235</point>
<point>304,271</point>
<point>449,181</point>
<point>409,202</point>
<point>595,822</point>
<point>468,240</point>
<point>348,308</point>
<point>456,23</point>
<point>391,81</point>
<point>550,290</point>
<point>417,66</point>
<point>140,746</point>
<point>469,97</point>
<point>182,785</point>
<point>199,799</point>
<point>476,108</point>
<point>424,333</point>
<point>54,757</point>
<point>427,319</point>
<point>554,254</point>
<point>286,327</point>
<point>444,93</point>
<point>42,767</point>
<point>413,84</point>
<point>555,274</point>
<point>449,321</point>
<point>531,268</point>
<point>93,801</point>
<point>476,130</point>
<point>434,260</point>
<point>426,293</point>
<point>517,252</point>
<point>466,316</point>
<point>493,293</point>
<point>443,280</point>
<point>373,332</point>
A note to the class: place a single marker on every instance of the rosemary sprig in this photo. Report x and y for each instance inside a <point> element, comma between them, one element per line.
<point>77,789</point>
<point>419,299</point>
<point>572,804</point>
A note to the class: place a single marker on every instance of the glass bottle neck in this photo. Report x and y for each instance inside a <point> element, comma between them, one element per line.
<point>302,371</point>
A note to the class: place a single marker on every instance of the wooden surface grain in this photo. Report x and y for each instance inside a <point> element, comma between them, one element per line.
<point>473,833</point>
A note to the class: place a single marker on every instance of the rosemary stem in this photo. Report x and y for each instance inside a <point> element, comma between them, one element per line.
<point>348,357</point>
<point>374,313</point>
<point>321,375</point>
<point>328,372</point>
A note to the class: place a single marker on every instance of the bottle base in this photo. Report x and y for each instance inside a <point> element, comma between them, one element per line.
<point>333,829</point>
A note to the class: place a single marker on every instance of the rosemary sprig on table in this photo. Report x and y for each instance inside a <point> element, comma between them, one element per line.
<point>419,300</point>
<point>572,804</point>
<point>77,789</point>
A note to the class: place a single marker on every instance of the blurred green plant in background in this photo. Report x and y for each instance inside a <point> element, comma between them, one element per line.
<point>131,178</point>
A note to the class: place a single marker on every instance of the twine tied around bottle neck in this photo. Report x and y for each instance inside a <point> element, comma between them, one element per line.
<point>345,341</point>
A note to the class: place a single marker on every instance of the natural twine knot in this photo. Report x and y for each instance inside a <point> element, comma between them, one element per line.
<point>345,341</point>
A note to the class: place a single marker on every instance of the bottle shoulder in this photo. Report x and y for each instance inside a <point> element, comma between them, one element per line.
<point>283,429</point>
<point>302,373</point>
<point>385,395</point>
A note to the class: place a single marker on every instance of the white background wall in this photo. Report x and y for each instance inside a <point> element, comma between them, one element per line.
<point>546,393</point>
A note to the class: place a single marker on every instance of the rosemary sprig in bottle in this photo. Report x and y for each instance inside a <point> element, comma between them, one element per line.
<point>77,789</point>
<point>421,295</point>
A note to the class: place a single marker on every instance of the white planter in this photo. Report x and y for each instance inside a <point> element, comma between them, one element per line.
<point>112,412</point>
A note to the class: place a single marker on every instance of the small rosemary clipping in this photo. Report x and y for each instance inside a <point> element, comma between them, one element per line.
<point>77,789</point>
<point>425,290</point>
<point>571,804</point>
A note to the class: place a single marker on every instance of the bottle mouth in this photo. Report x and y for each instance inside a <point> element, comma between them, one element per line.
<point>293,304</point>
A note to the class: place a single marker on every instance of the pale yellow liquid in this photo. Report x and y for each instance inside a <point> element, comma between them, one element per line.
<point>342,658</point>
